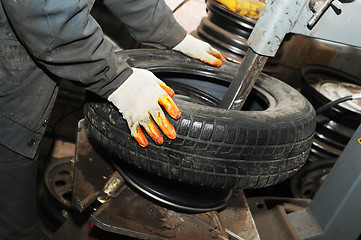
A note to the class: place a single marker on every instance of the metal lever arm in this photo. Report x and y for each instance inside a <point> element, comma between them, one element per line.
<point>312,18</point>
<point>318,7</point>
<point>295,16</point>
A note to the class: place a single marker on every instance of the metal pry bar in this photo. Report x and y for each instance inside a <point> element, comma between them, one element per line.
<point>244,80</point>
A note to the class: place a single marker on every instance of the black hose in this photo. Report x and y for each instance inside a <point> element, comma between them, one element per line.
<point>336,102</point>
<point>180,5</point>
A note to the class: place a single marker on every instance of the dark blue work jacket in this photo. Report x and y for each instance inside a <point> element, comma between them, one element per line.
<point>42,41</point>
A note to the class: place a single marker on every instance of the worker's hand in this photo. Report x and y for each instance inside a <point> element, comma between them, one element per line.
<point>138,99</point>
<point>201,50</point>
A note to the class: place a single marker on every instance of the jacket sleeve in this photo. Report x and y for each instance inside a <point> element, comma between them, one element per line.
<point>67,42</point>
<point>148,21</point>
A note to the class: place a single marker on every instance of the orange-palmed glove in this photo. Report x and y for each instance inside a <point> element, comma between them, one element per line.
<point>139,99</point>
<point>200,50</point>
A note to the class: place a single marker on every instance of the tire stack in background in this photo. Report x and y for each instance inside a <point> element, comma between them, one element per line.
<point>335,126</point>
<point>228,31</point>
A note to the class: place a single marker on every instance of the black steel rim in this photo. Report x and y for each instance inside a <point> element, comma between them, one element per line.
<point>173,194</point>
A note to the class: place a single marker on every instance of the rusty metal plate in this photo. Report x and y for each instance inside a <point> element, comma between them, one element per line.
<point>237,218</point>
<point>90,171</point>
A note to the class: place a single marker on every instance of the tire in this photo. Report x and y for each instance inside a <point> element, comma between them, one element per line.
<point>214,147</point>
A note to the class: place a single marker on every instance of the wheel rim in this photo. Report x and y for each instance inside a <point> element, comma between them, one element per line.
<point>226,30</point>
<point>59,181</point>
<point>173,194</point>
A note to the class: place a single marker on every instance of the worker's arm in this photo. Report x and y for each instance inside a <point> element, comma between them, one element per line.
<point>149,21</point>
<point>64,39</point>
<point>152,21</point>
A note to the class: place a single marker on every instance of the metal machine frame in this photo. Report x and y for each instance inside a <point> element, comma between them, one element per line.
<point>325,19</point>
<point>334,212</point>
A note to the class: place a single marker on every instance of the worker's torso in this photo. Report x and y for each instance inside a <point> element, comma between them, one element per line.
<point>26,94</point>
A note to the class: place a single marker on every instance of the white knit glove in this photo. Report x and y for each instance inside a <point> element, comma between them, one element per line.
<point>139,99</point>
<point>200,50</point>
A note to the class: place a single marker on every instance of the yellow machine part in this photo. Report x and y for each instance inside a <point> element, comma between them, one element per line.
<point>248,8</point>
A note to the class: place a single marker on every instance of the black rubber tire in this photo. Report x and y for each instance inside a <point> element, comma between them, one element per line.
<point>214,147</point>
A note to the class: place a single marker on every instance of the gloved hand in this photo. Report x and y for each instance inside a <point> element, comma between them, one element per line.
<point>138,99</point>
<point>201,50</point>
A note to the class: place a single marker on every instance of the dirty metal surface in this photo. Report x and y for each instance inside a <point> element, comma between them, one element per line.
<point>128,212</point>
<point>133,215</point>
<point>237,218</point>
<point>91,172</point>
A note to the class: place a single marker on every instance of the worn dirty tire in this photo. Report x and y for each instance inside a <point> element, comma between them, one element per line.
<point>214,147</point>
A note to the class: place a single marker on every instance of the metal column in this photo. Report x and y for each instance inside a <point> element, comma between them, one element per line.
<point>335,209</point>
